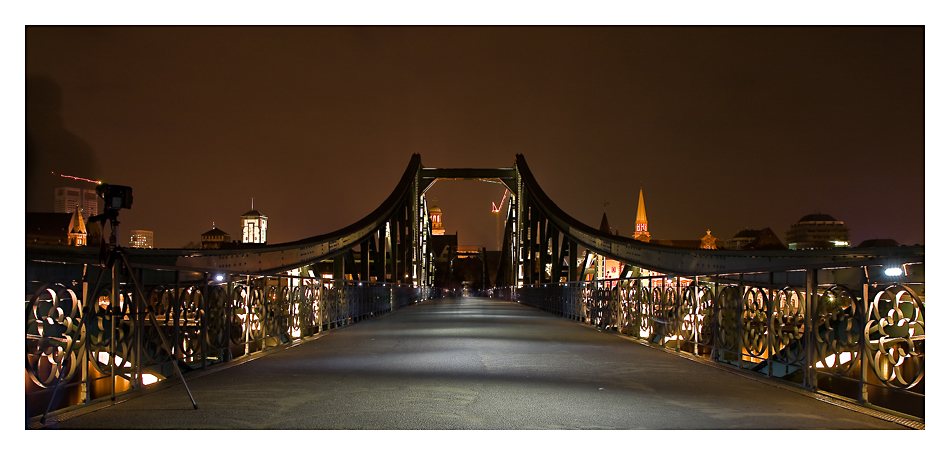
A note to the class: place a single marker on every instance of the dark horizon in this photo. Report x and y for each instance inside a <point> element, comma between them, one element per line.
<point>724,128</point>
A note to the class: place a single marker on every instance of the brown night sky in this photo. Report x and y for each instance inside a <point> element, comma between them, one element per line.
<point>724,127</point>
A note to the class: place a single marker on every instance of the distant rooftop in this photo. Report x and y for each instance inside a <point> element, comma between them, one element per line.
<point>215,231</point>
<point>817,217</point>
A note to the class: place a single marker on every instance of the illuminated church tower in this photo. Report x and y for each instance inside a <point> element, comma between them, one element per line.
<point>642,233</point>
<point>436,215</point>
<point>255,226</point>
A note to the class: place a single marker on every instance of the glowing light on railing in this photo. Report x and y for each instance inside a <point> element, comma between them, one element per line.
<point>894,271</point>
<point>103,357</point>
<point>219,278</point>
<point>149,379</point>
<point>830,360</point>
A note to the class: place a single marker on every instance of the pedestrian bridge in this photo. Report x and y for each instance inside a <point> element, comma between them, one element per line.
<point>846,325</point>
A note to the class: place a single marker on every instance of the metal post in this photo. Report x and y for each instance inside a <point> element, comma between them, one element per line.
<point>364,261</point>
<point>229,312</point>
<point>714,353</point>
<point>265,305</point>
<point>770,310</point>
<point>247,317</point>
<point>863,317</point>
<point>572,262</point>
<point>811,279</point>
<point>677,304</point>
<point>740,305</point>
<point>139,312</point>
<point>113,302</point>
<point>321,305</point>
<point>542,247</point>
<point>394,249</point>
<point>651,308</point>
<point>204,321</point>
<point>695,315</point>
<point>85,389</point>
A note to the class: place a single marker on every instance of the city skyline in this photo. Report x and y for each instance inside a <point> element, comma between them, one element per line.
<point>724,128</point>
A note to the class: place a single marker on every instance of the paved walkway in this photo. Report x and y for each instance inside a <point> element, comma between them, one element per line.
<point>473,364</point>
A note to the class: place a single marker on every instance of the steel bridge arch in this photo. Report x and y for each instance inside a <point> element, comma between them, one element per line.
<point>400,226</point>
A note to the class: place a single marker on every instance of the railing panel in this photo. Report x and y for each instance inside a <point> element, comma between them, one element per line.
<point>863,345</point>
<point>79,351</point>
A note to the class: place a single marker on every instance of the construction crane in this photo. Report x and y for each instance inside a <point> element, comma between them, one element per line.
<point>496,209</point>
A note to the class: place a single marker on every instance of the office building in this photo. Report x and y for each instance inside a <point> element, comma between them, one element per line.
<point>142,239</point>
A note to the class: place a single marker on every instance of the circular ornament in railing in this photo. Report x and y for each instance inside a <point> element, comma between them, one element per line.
<point>894,337</point>
<point>787,323</point>
<point>218,318</point>
<point>837,330</point>
<point>727,322</point>
<point>108,321</point>
<point>701,315</point>
<point>54,335</point>
<point>755,322</point>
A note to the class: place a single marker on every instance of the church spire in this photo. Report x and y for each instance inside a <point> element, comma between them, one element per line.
<point>642,233</point>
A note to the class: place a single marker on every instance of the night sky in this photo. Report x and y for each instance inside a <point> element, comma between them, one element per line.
<point>724,128</point>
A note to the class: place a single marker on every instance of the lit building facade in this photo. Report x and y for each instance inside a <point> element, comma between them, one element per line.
<point>818,231</point>
<point>142,239</point>
<point>708,242</point>
<point>435,216</point>
<point>68,198</point>
<point>77,229</point>
<point>254,227</point>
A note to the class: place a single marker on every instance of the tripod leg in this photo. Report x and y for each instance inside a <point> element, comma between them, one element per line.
<point>52,399</point>
<point>158,329</point>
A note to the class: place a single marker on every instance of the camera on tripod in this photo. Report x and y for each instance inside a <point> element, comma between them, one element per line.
<point>115,196</point>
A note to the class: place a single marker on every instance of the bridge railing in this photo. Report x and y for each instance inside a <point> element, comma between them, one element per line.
<point>860,339</point>
<point>88,348</point>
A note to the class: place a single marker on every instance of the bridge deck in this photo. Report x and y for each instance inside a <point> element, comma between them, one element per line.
<point>473,364</point>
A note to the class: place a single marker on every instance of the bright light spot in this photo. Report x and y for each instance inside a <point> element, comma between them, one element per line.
<point>149,379</point>
<point>219,278</point>
<point>104,358</point>
<point>830,360</point>
<point>894,271</point>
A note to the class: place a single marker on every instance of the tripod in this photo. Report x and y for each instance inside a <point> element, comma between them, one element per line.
<point>114,257</point>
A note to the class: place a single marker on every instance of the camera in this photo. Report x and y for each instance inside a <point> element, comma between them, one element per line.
<point>115,196</point>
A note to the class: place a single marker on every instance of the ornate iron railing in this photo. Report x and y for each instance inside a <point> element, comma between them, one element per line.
<point>83,347</point>
<point>862,342</point>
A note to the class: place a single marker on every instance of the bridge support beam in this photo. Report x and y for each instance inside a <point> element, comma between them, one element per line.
<point>572,263</point>
<point>364,261</point>
<point>542,248</point>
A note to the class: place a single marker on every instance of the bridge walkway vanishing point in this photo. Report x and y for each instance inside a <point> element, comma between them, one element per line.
<point>472,363</point>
